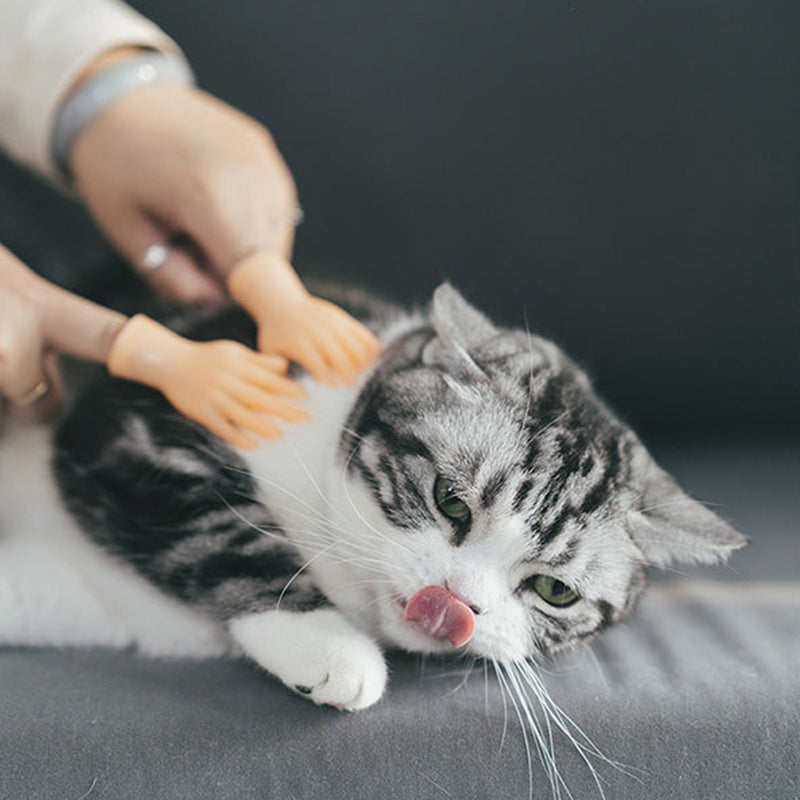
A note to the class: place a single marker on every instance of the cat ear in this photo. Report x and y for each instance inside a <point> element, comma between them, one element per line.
<point>671,526</point>
<point>460,328</point>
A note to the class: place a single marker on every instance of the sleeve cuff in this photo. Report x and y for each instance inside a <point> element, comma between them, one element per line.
<point>48,48</point>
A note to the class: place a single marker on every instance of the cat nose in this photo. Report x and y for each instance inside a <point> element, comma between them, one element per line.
<point>473,607</point>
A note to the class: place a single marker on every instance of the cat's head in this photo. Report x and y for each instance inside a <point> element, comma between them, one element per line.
<point>493,497</point>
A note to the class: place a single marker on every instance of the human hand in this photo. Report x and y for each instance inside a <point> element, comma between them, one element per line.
<point>315,333</point>
<point>30,382</point>
<point>170,164</point>
<point>223,385</point>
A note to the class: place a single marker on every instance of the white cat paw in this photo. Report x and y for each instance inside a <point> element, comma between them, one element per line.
<point>318,654</point>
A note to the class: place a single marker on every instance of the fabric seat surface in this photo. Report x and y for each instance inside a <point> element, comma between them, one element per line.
<point>697,696</point>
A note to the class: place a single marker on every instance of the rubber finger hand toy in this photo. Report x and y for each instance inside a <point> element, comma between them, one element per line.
<point>222,384</point>
<point>315,333</point>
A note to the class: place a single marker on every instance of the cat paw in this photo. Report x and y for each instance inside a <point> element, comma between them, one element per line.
<point>317,654</point>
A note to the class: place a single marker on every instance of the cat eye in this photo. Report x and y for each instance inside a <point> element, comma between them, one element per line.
<point>552,590</point>
<point>449,503</point>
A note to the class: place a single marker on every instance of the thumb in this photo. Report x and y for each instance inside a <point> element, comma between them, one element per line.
<point>170,269</point>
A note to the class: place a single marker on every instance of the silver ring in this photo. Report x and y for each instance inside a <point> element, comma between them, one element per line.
<point>154,257</point>
<point>33,396</point>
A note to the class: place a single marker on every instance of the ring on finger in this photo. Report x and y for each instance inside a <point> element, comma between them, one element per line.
<point>32,396</point>
<point>154,257</point>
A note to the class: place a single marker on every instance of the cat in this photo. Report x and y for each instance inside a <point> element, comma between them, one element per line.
<point>471,494</point>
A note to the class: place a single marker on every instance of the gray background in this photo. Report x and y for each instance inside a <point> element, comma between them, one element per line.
<point>622,175</point>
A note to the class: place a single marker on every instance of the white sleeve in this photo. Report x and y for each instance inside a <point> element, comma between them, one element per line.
<point>44,46</point>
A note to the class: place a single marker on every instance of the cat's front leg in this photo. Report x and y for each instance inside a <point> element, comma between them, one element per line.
<point>152,491</point>
<point>317,653</point>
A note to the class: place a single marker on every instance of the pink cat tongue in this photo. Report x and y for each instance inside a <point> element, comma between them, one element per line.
<point>441,615</point>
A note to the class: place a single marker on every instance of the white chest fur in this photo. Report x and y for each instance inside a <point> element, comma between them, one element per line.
<point>302,481</point>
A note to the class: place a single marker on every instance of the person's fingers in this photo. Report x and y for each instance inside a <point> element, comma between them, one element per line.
<point>361,342</point>
<point>345,343</point>
<point>310,358</point>
<point>286,247</point>
<point>254,422</point>
<point>271,382</point>
<point>170,269</point>
<point>360,345</point>
<point>277,364</point>
<point>220,424</point>
<point>273,363</point>
<point>247,395</point>
<point>29,381</point>
<point>338,358</point>
<point>369,344</point>
<point>45,400</point>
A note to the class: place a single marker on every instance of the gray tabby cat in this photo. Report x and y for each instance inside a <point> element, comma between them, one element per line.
<point>471,495</point>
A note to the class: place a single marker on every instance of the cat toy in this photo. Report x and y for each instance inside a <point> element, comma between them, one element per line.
<point>226,386</point>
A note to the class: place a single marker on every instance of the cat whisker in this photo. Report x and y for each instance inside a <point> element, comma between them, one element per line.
<point>353,434</point>
<point>545,746</point>
<point>523,432</point>
<point>567,725</point>
<point>676,503</point>
<point>504,732</point>
<point>326,540</point>
<point>626,514</point>
<point>291,495</point>
<point>324,531</point>
<point>507,693</point>
<point>250,524</point>
<point>539,433</point>
<point>365,582</point>
<point>519,685</point>
<point>466,673</point>
<point>318,537</point>
<point>311,478</point>
<point>296,575</point>
<point>394,543</point>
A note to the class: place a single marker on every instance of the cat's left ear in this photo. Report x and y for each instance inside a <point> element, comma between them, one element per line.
<point>671,526</point>
<point>460,329</point>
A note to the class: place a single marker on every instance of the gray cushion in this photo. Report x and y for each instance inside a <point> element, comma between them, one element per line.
<point>697,694</point>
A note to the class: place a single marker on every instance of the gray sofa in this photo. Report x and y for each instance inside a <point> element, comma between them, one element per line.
<point>623,177</point>
<point>697,696</point>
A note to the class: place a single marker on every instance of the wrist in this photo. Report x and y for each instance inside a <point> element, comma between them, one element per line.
<point>265,280</point>
<point>145,352</point>
<point>109,77</point>
<point>105,60</point>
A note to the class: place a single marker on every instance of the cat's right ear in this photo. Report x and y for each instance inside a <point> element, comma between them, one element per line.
<point>670,526</point>
<point>460,329</point>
